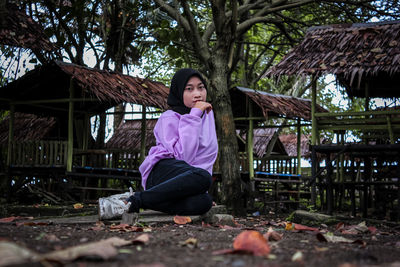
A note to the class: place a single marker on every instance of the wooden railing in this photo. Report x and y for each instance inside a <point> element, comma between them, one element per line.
<point>383,124</point>
<point>38,153</point>
<point>273,164</point>
<point>107,158</point>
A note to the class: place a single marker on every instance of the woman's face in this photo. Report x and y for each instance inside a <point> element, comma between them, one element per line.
<point>194,91</point>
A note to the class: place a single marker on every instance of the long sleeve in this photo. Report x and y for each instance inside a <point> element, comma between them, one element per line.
<point>180,134</point>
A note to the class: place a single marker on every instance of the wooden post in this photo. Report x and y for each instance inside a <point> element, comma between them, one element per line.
<point>249,138</point>
<point>143,134</point>
<point>314,131</point>
<point>299,146</point>
<point>85,139</point>
<point>10,134</point>
<point>329,189</point>
<point>70,126</point>
<point>314,178</point>
<point>352,189</point>
<point>313,141</point>
<point>390,129</point>
<point>367,176</point>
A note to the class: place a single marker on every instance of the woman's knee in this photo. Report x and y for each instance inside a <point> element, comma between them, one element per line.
<point>203,176</point>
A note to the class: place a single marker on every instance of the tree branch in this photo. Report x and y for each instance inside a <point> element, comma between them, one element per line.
<point>175,14</point>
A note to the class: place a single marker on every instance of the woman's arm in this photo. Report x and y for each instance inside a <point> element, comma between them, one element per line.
<point>179,134</point>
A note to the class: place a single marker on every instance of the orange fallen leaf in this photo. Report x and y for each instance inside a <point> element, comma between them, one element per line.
<point>304,228</point>
<point>182,219</point>
<point>253,242</point>
<point>289,226</point>
<point>78,206</point>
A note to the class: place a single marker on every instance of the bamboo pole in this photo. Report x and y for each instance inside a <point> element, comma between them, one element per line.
<point>85,138</point>
<point>299,146</point>
<point>70,127</point>
<point>313,110</point>
<point>313,141</point>
<point>390,129</point>
<point>143,134</point>
<point>10,134</point>
<point>250,135</point>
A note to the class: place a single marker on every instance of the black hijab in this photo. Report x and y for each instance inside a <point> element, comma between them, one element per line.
<point>178,83</point>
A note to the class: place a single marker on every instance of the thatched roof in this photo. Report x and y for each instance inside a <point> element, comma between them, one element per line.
<point>289,141</point>
<point>271,105</point>
<point>27,127</point>
<point>358,54</point>
<point>261,141</point>
<point>128,135</point>
<point>17,29</point>
<point>94,90</point>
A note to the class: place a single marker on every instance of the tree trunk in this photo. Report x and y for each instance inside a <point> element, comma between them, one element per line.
<point>232,195</point>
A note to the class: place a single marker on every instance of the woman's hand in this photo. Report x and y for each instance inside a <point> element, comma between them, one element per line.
<point>203,106</point>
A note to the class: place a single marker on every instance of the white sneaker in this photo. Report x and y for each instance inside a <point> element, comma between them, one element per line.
<point>112,207</point>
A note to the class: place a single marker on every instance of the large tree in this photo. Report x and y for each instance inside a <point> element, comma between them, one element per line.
<point>211,35</point>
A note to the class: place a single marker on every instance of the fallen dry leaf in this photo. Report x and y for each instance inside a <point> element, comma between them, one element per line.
<point>123,227</point>
<point>338,239</point>
<point>226,227</point>
<point>203,224</point>
<point>289,226</point>
<point>301,227</point>
<point>372,229</point>
<point>182,219</point>
<point>11,253</point>
<point>298,256</point>
<point>252,241</point>
<point>272,235</point>
<point>98,227</point>
<point>143,239</point>
<point>78,206</point>
<point>104,249</point>
<point>190,242</point>
<point>32,223</point>
<point>14,218</point>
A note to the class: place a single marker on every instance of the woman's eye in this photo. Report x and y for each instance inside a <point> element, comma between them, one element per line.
<point>188,88</point>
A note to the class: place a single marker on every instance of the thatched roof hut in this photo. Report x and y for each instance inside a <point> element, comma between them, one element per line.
<point>17,29</point>
<point>289,141</point>
<point>28,127</point>
<point>358,54</point>
<point>261,142</point>
<point>128,135</point>
<point>270,105</point>
<point>46,90</point>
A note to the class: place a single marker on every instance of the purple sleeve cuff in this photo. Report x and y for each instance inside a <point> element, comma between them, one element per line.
<point>196,112</point>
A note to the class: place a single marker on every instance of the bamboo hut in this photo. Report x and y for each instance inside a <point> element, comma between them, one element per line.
<point>128,135</point>
<point>365,58</point>
<point>256,109</point>
<point>72,94</point>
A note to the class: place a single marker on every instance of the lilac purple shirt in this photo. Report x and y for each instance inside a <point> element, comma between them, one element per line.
<point>190,137</point>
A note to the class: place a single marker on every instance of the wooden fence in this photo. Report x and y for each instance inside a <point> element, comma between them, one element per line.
<point>39,153</point>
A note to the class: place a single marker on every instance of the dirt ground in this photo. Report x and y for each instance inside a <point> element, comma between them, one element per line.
<point>197,244</point>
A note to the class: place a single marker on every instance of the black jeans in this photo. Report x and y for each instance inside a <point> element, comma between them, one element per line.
<point>176,188</point>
